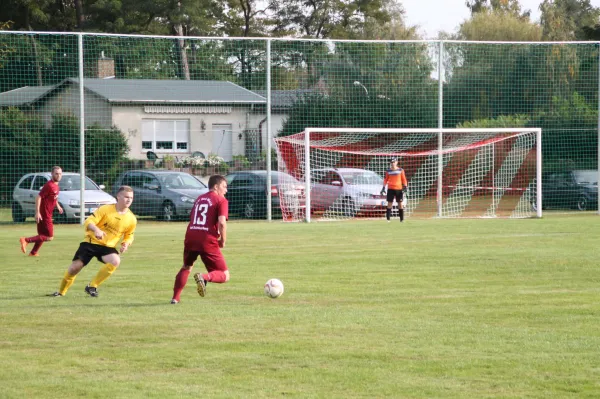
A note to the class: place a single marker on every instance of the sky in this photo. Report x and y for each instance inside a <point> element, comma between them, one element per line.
<point>446,15</point>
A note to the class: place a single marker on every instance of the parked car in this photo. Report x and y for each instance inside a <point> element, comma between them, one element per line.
<point>347,191</point>
<point>574,189</point>
<point>166,194</point>
<point>247,194</point>
<point>28,188</point>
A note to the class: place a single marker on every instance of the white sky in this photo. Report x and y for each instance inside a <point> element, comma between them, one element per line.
<point>433,16</point>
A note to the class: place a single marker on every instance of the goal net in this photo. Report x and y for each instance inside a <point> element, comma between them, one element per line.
<point>451,172</point>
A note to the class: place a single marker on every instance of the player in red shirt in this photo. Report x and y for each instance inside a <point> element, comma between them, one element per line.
<point>205,236</point>
<point>45,202</point>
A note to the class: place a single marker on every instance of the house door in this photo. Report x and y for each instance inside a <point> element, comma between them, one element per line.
<point>222,140</point>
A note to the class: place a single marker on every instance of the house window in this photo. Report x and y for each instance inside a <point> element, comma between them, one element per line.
<point>165,135</point>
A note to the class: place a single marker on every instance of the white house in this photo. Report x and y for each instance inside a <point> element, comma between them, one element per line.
<point>177,117</point>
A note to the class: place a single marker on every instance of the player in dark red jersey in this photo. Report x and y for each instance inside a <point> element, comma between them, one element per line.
<point>205,236</point>
<point>45,202</point>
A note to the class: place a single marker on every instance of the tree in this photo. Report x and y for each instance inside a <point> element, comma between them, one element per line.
<point>487,80</point>
<point>324,18</point>
<point>568,19</point>
<point>499,25</point>
<point>512,7</point>
<point>391,27</point>
<point>570,129</point>
<point>368,85</point>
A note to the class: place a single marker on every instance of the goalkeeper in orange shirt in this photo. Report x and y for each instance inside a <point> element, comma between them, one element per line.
<point>103,230</point>
<point>395,179</point>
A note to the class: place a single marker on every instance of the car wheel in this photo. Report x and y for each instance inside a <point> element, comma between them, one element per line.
<point>168,212</point>
<point>249,210</point>
<point>582,203</point>
<point>17,213</point>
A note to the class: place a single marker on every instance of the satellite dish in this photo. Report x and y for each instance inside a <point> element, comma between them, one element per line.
<point>151,156</point>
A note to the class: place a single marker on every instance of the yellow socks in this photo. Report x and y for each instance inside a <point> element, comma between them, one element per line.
<point>104,273</point>
<point>66,283</point>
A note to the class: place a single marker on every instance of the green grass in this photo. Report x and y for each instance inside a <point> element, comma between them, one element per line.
<point>427,309</point>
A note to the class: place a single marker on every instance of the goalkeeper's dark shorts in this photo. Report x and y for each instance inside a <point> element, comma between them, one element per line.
<point>87,251</point>
<point>395,194</point>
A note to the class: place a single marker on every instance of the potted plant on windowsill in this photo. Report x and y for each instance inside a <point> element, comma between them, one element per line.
<point>194,164</point>
<point>169,162</point>
<point>212,163</point>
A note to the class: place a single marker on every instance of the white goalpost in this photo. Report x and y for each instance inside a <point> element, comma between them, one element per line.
<point>452,173</point>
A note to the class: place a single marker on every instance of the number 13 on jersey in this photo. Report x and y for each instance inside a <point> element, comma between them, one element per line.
<point>200,211</point>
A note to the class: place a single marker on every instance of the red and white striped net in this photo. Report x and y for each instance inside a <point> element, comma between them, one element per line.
<point>484,173</point>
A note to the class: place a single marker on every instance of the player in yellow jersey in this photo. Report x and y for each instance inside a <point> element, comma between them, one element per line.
<point>395,179</point>
<point>103,231</point>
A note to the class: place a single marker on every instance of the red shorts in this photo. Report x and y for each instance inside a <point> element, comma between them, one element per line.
<point>46,227</point>
<point>213,260</point>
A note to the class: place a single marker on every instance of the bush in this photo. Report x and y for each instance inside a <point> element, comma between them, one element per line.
<point>28,146</point>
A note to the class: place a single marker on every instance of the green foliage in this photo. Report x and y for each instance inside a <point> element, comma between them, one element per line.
<point>367,85</point>
<point>332,111</point>
<point>567,19</point>
<point>325,19</point>
<point>32,147</point>
<point>36,60</point>
<point>508,7</point>
<point>21,147</point>
<point>241,161</point>
<point>498,25</point>
<point>500,121</point>
<point>569,132</point>
<point>570,125</point>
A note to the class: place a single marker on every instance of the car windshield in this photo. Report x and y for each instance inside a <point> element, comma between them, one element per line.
<point>181,181</point>
<point>356,178</point>
<point>73,183</point>
<point>586,176</point>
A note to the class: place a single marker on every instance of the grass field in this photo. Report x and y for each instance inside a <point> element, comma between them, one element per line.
<point>426,309</point>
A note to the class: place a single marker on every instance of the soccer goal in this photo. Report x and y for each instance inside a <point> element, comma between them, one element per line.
<point>451,173</point>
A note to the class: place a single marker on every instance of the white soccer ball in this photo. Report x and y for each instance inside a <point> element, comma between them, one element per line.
<point>273,288</point>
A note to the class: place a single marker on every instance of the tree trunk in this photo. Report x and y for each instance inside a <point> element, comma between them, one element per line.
<point>79,14</point>
<point>38,67</point>
<point>184,65</point>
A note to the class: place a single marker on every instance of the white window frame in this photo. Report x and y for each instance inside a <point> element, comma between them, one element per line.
<point>174,133</point>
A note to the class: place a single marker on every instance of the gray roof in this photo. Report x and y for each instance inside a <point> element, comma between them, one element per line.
<point>285,98</point>
<point>148,91</point>
<point>23,96</point>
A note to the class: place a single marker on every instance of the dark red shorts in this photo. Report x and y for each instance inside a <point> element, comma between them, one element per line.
<point>46,227</point>
<point>213,260</point>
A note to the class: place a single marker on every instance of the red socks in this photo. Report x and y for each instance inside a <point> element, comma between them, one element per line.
<point>183,275</point>
<point>38,240</point>
<point>180,282</point>
<point>36,247</point>
<point>216,276</point>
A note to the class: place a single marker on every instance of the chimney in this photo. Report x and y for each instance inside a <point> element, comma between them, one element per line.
<point>106,67</point>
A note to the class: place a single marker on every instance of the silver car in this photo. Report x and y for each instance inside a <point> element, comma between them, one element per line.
<point>347,191</point>
<point>28,188</point>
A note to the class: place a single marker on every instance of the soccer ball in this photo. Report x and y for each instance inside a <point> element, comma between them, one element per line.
<point>273,288</point>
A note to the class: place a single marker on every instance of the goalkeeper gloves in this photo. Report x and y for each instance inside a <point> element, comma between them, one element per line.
<point>382,192</point>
